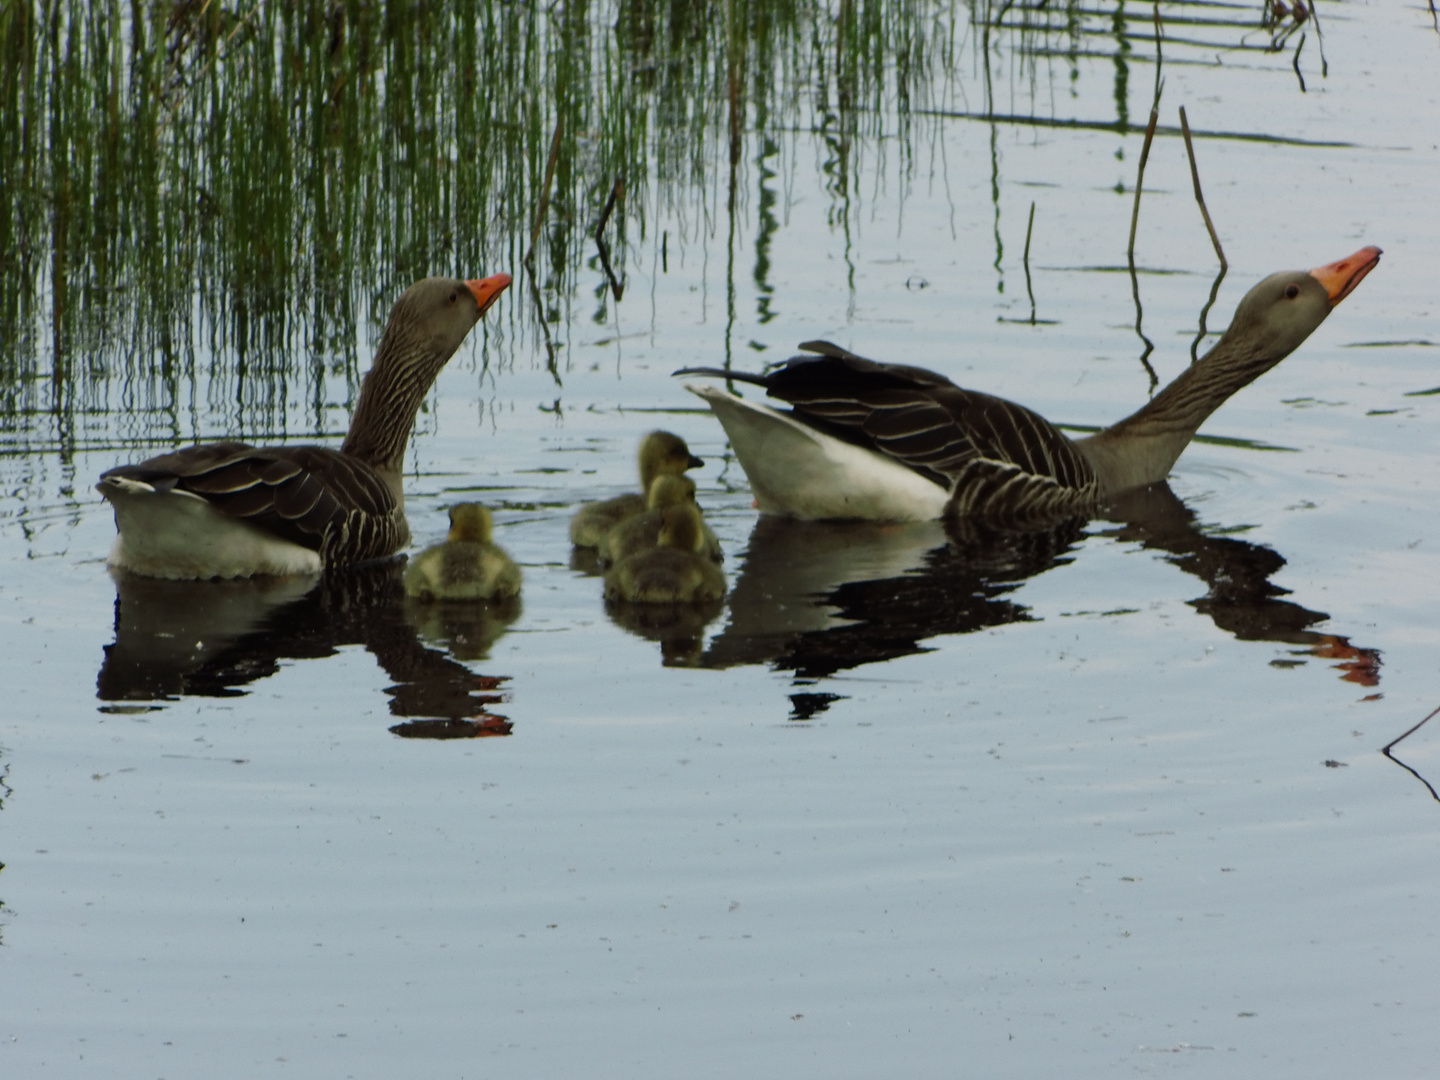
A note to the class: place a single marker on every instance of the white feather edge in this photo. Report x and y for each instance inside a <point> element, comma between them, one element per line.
<point>799,472</point>
<point>177,534</point>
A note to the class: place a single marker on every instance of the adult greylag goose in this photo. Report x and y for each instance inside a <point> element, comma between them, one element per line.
<point>674,572</point>
<point>660,453</point>
<point>469,565</point>
<point>643,530</point>
<point>228,509</point>
<point>899,443</point>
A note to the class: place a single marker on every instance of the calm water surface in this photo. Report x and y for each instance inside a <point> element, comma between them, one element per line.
<point>1103,800</point>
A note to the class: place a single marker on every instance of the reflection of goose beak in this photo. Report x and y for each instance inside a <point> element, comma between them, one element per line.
<point>1340,278</point>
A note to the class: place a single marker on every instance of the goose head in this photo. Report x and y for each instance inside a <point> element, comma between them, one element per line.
<point>433,316</point>
<point>426,326</point>
<point>1284,309</point>
<point>1270,323</point>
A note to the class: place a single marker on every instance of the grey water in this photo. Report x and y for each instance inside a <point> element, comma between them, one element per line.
<point>911,801</point>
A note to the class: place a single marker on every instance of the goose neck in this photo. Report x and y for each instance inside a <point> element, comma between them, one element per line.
<point>390,397</point>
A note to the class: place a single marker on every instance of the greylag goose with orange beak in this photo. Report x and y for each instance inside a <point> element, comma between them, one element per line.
<point>229,510</point>
<point>890,442</point>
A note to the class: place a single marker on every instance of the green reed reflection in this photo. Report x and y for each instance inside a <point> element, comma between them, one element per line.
<point>232,172</point>
<point>242,187</point>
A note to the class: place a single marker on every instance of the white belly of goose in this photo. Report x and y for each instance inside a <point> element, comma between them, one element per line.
<point>178,535</point>
<point>797,470</point>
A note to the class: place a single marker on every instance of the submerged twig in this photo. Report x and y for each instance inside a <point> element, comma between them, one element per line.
<point>1159,60</point>
<point>544,206</point>
<point>1210,228</point>
<point>552,356</point>
<point>1130,250</point>
<point>1296,63</point>
<point>1028,290</point>
<point>1319,39</point>
<point>616,193</point>
<point>1199,195</point>
<point>1387,747</point>
<point>617,288</point>
<point>1140,178</point>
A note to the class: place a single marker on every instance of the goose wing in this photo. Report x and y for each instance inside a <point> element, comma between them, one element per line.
<point>310,495</point>
<point>993,454</point>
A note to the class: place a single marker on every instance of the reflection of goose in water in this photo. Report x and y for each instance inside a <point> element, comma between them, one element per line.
<point>1241,599</point>
<point>821,597</point>
<point>213,639</point>
<point>817,598</point>
<point>890,442</point>
<point>669,592</point>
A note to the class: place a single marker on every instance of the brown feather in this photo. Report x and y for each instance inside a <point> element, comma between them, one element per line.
<point>996,457</point>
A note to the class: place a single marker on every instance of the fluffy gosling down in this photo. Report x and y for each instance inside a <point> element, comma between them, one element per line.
<point>642,531</point>
<point>467,566</point>
<point>675,572</point>
<point>661,453</point>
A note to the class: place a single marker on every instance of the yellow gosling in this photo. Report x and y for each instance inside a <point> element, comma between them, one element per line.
<point>643,530</point>
<point>467,566</point>
<point>673,573</point>
<point>661,453</point>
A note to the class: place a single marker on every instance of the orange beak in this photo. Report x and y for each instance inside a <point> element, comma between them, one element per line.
<point>488,290</point>
<point>1340,278</point>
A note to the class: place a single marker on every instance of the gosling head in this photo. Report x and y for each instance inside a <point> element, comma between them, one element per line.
<point>662,453</point>
<point>680,527</point>
<point>471,522</point>
<point>668,490</point>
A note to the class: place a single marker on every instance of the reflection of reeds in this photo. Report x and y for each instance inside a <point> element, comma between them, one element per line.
<point>187,173</point>
<point>245,165</point>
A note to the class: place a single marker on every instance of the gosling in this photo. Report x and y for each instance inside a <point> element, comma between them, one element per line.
<point>661,453</point>
<point>467,566</point>
<point>643,530</point>
<point>675,572</point>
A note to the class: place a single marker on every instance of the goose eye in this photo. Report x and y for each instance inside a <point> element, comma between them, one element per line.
<point>1291,291</point>
<point>453,295</point>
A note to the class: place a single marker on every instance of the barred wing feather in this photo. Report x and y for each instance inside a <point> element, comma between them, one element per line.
<point>995,456</point>
<point>309,495</point>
